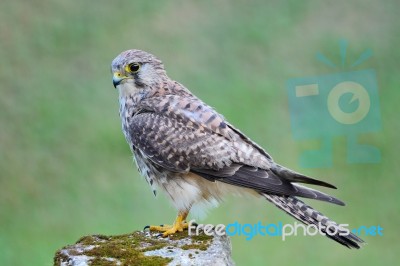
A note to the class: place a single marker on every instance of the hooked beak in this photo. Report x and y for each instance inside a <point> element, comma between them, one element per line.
<point>117,79</point>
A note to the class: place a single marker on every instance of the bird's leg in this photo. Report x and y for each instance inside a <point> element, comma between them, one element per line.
<point>178,225</point>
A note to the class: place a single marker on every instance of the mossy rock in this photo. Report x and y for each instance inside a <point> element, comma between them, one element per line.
<point>140,248</point>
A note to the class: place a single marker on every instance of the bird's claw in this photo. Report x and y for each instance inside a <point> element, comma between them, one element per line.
<point>166,229</point>
<point>179,225</point>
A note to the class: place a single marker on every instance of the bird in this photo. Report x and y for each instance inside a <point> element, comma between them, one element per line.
<point>185,148</point>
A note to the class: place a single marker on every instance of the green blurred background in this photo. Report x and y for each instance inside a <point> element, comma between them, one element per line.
<point>66,171</point>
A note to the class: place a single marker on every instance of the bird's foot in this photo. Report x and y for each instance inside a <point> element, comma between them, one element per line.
<point>179,225</point>
<point>167,230</point>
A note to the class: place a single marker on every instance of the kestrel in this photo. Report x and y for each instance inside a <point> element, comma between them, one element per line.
<point>186,148</point>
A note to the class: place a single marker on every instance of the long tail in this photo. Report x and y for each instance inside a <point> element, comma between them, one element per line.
<point>307,215</point>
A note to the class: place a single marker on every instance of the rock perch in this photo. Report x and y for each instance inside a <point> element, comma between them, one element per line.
<point>139,248</point>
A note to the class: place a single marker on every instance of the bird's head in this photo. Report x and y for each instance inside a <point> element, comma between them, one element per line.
<point>136,69</point>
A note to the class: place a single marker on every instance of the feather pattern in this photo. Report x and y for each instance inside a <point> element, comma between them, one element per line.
<point>307,215</point>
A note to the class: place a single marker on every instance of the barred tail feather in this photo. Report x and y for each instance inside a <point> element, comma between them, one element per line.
<point>307,215</point>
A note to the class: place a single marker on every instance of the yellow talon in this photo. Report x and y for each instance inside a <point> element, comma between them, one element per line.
<point>179,225</point>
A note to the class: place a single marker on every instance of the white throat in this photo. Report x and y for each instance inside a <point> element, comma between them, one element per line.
<point>127,89</point>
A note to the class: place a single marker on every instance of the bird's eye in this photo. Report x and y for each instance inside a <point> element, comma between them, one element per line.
<point>133,67</point>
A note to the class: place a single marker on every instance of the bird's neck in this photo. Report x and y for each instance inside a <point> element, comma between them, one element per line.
<point>129,97</point>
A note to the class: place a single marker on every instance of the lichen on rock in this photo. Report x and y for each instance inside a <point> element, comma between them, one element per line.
<point>141,248</point>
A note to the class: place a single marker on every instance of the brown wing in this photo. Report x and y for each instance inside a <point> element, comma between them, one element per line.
<point>175,140</point>
<point>179,146</point>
